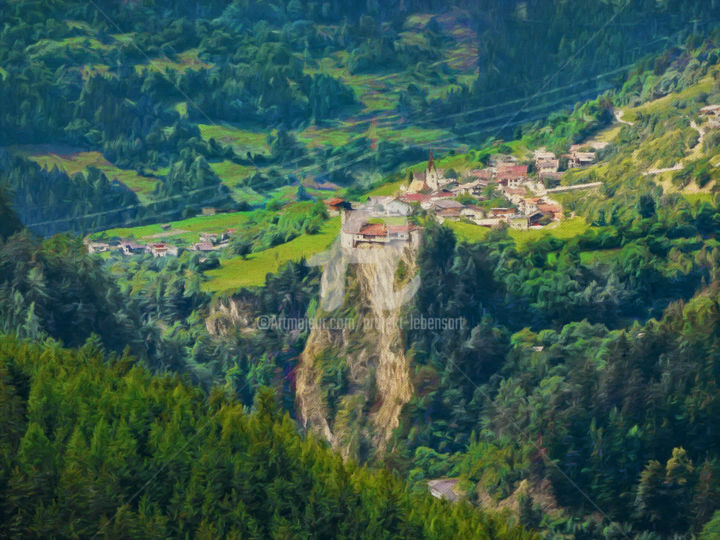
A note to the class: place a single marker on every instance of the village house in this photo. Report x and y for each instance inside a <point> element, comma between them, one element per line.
<point>356,230</point>
<point>472,212</point>
<point>417,198</point>
<point>444,488</point>
<point>581,159</point>
<point>98,247</point>
<point>489,221</point>
<point>203,246</point>
<point>514,194</point>
<point>545,162</point>
<point>208,211</point>
<point>512,176</point>
<point>128,247</point>
<point>542,154</point>
<point>451,214</point>
<point>545,166</point>
<point>335,205</point>
<point>712,112</point>
<point>209,238</point>
<point>482,175</point>
<point>468,188</point>
<point>162,249</point>
<point>500,212</point>
<point>553,210</point>
<point>503,160</point>
<point>529,205</point>
<point>444,204</point>
<point>388,206</point>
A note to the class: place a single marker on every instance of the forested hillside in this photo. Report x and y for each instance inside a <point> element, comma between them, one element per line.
<point>142,395</point>
<point>93,446</point>
<point>225,103</point>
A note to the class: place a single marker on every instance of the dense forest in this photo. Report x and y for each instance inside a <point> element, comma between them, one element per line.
<point>69,70</point>
<point>95,446</point>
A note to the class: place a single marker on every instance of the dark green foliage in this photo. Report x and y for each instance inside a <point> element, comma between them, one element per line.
<point>52,201</point>
<point>9,221</point>
<point>55,289</point>
<point>91,445</point>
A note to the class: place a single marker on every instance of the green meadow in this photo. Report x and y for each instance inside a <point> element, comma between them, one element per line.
<point>242,140</point>
<point>186,229</point>
<point>73,162</point>
<point>238,272</point>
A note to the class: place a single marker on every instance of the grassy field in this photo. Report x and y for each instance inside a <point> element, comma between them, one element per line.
<point>238,272</point>
<point>231,173</point>
<point>242,140</point>
<point>560,229</point>
<point>694,198</point>
<point>599,255</point>
<point>468,232</point>
<point>315,137</point>
<point>73,161</point>
<point>387,189</point>
<point>186,229</point>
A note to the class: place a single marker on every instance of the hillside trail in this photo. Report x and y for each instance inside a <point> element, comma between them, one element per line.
<point>694,152</point>
<point>619,113</point>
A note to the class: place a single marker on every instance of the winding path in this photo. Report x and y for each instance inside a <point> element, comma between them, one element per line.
<point>618,116</point>
<point>679,165</point>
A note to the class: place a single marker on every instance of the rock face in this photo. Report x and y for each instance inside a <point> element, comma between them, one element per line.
<point>354,377</point>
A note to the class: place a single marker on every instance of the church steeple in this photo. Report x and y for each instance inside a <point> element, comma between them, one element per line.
<point>431,162</point>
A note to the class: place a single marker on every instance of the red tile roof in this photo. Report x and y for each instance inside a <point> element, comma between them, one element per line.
<point>514,171</point>
<point>373,229</point>
<point>334,201</point>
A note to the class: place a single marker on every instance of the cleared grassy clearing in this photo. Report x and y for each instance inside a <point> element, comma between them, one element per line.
<point>242,140</point>
<point>186,228</point>
<point>468,232</point>
<point>72,162</point>
<point>237,272</point>
<point>560,229</point>
<point>387,189</point>
<point>315,137</point>
<point>231,173</point>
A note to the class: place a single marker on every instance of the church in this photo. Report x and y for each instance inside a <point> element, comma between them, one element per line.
<point>431,179</point>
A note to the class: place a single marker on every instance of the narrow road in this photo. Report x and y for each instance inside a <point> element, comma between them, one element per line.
<point>700,131</point>
<point>618,116</point>
<point>679,165</point>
